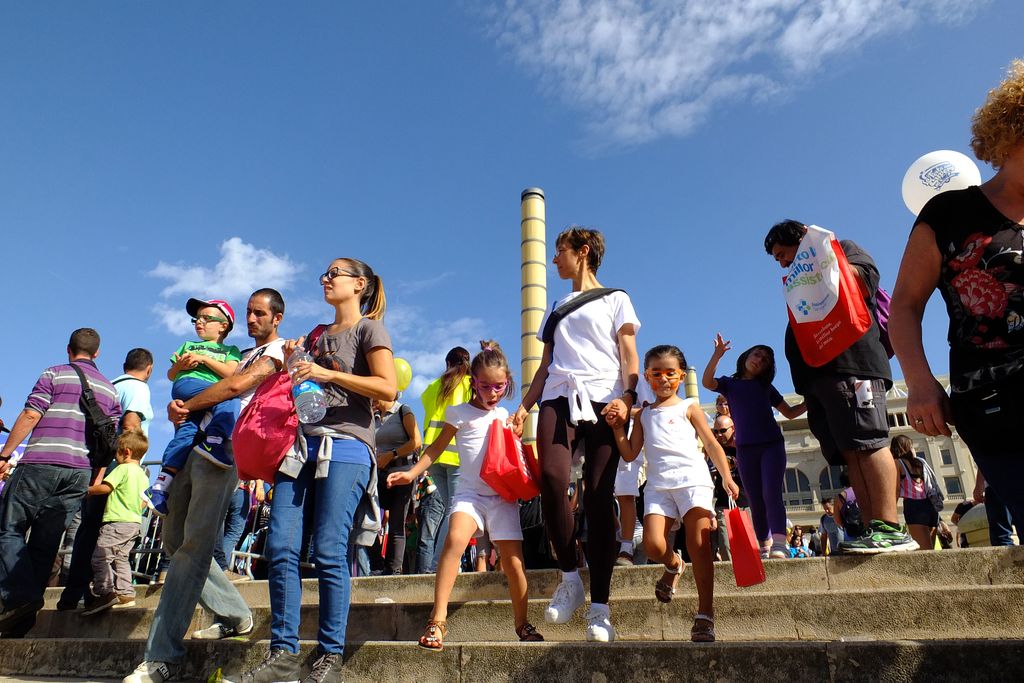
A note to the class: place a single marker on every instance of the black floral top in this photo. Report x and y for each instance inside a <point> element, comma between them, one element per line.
<point>982,283</point>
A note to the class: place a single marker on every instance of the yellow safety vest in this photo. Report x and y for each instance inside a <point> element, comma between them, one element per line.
<point>433,416</point>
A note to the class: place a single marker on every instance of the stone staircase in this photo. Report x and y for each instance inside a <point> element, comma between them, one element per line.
<point>935,616</point>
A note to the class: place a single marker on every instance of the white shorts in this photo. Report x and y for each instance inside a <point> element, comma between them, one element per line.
<point>627,478</point>
<point>492,514</point>
<point>675,503</point>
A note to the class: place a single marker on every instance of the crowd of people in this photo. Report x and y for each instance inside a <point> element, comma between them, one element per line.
<point>598,410</point>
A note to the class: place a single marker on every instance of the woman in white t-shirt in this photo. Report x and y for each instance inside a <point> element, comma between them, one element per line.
<point>588,373</point>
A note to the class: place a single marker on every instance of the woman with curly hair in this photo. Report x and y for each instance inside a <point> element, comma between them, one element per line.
<point>968,244</point>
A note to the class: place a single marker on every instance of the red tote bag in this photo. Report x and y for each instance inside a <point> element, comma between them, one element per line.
<point>509,468</point>
<point>827,311</point>
<point>745,550</point>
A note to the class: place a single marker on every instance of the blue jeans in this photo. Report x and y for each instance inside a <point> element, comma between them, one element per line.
<point>40,499</point>
<point>334,499</point>
<point>221,421</point>
<point>434,517</point>
<point>234,525</point>
<point>198,494</point>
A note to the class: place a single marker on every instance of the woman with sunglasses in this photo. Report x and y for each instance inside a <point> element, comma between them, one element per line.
<point>586,380</point>
<point>353,363</point>
<point>760,448</point>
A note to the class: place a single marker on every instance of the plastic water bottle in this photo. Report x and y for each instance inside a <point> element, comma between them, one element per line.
<point>310,404</point>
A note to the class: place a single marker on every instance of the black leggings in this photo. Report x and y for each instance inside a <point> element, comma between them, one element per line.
<point>396,501</point>
<point>557,439</point>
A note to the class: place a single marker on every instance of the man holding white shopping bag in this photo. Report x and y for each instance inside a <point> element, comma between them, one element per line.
<point>840,366</point>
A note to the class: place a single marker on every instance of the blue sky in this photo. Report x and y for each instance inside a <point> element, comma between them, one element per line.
<point>156,151</point>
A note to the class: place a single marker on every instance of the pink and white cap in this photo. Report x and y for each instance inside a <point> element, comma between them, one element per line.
<point>192,307</point>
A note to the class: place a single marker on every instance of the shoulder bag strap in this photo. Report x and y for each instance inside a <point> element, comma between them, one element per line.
<point>90,408</point>
<point>568,307</point>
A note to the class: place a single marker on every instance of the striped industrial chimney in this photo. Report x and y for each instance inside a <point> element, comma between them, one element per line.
<point>534,296</point>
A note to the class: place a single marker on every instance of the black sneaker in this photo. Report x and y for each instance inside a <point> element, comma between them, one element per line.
<point>326,669</point>
<point>280,666</point>
<point>13,615</point>
<point>880,538</point>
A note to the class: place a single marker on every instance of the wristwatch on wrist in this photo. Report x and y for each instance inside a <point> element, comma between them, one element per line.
<point>632,394</point>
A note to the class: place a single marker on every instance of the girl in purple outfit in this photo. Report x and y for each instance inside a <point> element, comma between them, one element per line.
<point>760,448</point>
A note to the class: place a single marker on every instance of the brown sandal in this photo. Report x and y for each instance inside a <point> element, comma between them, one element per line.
<point>665,588</point>
<point>703,630</point>
<point>528,634</point>
<point>433,637</point>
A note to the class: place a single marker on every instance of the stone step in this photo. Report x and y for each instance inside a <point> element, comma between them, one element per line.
<point>974,566</point>
<point>916,613</point>
<point>936,661</point>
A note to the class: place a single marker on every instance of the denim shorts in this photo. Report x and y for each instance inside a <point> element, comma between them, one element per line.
<point>920,512</point>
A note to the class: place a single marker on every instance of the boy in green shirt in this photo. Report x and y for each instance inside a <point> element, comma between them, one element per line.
<point>195,366</point>
<point>122,523</point>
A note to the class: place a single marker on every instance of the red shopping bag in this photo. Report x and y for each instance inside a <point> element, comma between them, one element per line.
<point>827,311</point>
<point>745,550</point>
<point>508,467</point>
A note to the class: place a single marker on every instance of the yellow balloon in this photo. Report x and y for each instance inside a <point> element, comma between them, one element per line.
<point>403,373</point>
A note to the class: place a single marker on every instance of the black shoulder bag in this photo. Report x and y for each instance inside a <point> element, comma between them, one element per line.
<point>100,428</point>
<point>568,307</point>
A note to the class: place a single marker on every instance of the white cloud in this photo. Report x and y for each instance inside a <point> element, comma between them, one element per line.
<point>413,286</point>
<point>241,269</point>
<point>645,69</point>
<point>174,319</point>
<point>424,343</point>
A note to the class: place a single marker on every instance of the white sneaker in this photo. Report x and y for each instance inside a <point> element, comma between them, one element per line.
<point>779,551</point>
<point>599,626</point>
<point>219,630</point>
<point>568,598</point>
<point>149,672</point>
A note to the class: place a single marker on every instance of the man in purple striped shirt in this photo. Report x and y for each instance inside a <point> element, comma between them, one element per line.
<point>50,480</point>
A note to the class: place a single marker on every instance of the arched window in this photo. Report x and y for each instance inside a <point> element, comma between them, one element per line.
<point>828,481</point>
<point>797,488</point>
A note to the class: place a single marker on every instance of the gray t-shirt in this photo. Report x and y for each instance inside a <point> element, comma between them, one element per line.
<point>391,434</point>
<point>348,412</point>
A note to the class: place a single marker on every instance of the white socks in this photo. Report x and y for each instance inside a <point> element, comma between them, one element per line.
<point>572,577</point>
<point>162,481</point>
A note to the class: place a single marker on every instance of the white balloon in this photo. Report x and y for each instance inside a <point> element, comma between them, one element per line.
<point>937,172</point>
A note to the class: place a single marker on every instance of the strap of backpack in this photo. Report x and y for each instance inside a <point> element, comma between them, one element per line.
<point>548,335</point>
<point>92,410</point>
<point>313,337</point>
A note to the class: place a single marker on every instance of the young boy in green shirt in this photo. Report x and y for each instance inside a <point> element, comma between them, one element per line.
<point>122,522</point>
<point>195,366</point>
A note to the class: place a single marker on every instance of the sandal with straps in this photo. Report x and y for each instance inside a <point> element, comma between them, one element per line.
<point>433,636</point>
<point>528,634</point>
<point>703,630</point>
<point>664,590</point>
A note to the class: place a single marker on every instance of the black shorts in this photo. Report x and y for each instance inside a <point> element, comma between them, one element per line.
<point>839,423</point>
<point>920,512</point>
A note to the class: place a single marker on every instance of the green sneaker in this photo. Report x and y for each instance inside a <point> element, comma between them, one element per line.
<point>880,538</point>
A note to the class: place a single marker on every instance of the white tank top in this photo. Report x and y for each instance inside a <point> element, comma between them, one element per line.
<point>673,458</point>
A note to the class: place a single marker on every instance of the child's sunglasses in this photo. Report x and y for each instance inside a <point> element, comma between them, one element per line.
<point>651,373</point>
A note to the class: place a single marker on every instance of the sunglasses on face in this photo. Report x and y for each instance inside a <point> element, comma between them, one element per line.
<point>208,319</point>
<point>496,388</point>
<point>720,431</point>
<point>667,374</point>
<point>333,273</point>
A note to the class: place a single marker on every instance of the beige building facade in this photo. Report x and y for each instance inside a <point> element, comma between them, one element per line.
<point>809,479</point>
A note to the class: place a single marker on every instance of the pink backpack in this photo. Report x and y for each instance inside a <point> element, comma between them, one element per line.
<point>267,427</point>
